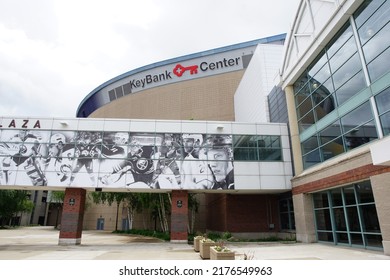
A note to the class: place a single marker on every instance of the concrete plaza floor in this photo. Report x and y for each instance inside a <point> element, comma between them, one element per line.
<point>41,243</point>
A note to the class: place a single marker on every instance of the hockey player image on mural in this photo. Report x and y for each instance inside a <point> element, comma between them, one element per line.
<point>218,149</point>
<point>114,150</point>
<point>168,157</point>
<point>87,150</point>
<point>138,167</point>
<point>194,172</point>
<point>58,164</point>
<point>22,153</point>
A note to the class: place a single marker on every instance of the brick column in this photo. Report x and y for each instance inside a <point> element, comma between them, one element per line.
<point>72,217</point>
<point>179,216</point>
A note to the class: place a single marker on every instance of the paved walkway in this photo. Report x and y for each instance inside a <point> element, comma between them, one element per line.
<point>41,243</point>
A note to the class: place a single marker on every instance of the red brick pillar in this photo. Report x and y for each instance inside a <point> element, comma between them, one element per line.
<point>179,216</point>
<point>72,217</point>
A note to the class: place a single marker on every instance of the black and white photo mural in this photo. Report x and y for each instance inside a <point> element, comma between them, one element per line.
<point>99,159</point>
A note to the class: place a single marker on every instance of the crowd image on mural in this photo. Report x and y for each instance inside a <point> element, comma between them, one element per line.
<point>115,159</point>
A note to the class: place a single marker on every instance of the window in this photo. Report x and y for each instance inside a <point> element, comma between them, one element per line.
<point>348,216</point>
<point>257,148</point>
<point>333,91</point>
<point>286,210</point>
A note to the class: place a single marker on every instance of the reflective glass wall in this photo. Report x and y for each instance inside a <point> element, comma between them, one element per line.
<point>347,216</point>
<point>342,99</point>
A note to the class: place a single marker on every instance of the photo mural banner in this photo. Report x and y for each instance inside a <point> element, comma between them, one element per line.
<point>96,159</point>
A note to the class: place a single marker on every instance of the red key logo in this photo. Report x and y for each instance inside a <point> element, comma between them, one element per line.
<point>179,70</point>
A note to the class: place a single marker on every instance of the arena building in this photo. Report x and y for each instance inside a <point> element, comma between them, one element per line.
<point>323,90</point>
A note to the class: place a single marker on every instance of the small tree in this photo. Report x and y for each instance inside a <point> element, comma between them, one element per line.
<point>13,202</point>
<point>57,197</point>
<point>193,206</point>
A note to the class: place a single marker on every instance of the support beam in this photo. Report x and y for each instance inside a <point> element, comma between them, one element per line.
<point>72,217</point>
<point>179,216</point>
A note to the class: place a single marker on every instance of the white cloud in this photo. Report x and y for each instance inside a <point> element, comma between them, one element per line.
<point>53,52</point>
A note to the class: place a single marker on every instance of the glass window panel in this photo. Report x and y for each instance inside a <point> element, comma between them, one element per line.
<point>338,41</point>
<point>385,122</point>
<point>270,154</point>
<point>342,238</point>
<point>245,154</point>
<point>306,121</point>
<point>320,200</point>
<point>374,23</point>
<point>383,101</point>
<point>330,133</point>
<point>337,199</point>
<point>360,135</point>
<point>370,218</point>
<point>326,106</point>
<point>300,83</point>
<point>283,205</point>
<point>320,77</point>
<point>350,88</point>
<point>349,195</point>
<point>323,219</point>
<point>332,149</point>
<point>318,64</point>
<point>343,54</point>
<point>247,141</point>
<point>311,159</point>
<point>304,107</point>
<point>339,219</point>
<point>284,221</point>
<point>366,10</point>
<point>347,71</point>
<point>357,239</point>
<point>364,192</point>
<point>357,117</point>
<point>377,44</point>
<point>310,144</point>
<point>353,219</point>
<point>301,97</point>
<point>325,236</point>
<point>374,240</point>
<point>377,68</point>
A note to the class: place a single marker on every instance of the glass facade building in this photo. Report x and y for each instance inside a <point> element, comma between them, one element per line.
<point>342,99</point>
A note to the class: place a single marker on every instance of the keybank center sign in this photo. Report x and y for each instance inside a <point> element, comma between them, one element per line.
<point>172,71</point>
<point>184,71</point>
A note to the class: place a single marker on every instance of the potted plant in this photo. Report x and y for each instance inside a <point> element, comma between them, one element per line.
<point>204,247</point>
<point>220,252</point>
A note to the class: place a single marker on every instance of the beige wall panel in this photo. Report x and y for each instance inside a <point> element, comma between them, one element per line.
<point>381,189</point>
<point>210,98</point>
<point>328,169</point>
<point>304,218</point>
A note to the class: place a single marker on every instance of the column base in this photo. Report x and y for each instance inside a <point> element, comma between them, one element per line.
<point>69,241</point>
<point>386,247</point>
<point>178,241</point>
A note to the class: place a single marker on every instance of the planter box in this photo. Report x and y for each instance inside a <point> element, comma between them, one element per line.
<point>204,248</point>
<point>196,243</point>
<point>215,255</point>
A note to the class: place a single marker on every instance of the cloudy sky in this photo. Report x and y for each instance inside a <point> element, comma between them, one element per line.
<point>54,52</point>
